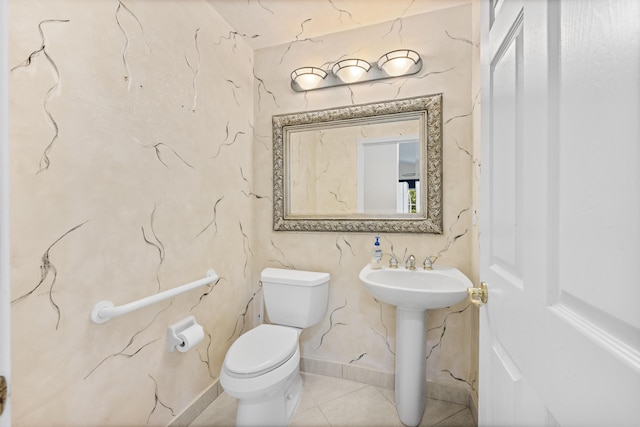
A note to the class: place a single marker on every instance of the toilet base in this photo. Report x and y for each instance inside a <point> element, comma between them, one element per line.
<point>275,410</point>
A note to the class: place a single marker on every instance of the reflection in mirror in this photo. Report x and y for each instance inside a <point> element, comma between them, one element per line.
<point>329,174</point>
<point>374,167</point>
<point>388,176</point>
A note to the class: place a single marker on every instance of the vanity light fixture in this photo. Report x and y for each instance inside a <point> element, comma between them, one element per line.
<point>351,70</point>
<point>308,77</point>
<point>397,63</point>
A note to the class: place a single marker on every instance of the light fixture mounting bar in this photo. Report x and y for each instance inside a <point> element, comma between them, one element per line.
<point>374,73</point>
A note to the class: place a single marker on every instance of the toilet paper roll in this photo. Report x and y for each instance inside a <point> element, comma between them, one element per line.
<point>190,337</point>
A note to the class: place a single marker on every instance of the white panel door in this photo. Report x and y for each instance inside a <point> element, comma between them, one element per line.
<point>560,334</point>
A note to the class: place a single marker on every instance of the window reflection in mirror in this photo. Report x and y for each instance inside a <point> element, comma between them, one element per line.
<point>389,175</point>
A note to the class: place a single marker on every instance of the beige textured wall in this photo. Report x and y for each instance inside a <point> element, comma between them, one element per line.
<point>131,164</point>
<point>357,329</point>
<point>141,157</point>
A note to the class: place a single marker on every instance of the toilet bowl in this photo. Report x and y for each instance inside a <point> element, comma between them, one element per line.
<point>262,370</point>
<point>262,367</point>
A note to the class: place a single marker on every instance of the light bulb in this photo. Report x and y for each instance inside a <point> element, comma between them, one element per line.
<point>308,77</point>
<point>351,70</point>
<point>398,62</point>
<point>397,66</point>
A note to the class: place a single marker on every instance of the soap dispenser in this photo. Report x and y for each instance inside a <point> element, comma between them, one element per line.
<point>376,255</point>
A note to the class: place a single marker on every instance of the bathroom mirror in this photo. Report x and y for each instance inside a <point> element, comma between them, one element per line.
<point>365,168</point>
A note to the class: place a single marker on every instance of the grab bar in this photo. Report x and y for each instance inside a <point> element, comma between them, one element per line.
<point>105,310</point>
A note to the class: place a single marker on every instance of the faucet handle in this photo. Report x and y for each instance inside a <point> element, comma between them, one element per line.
<point>429,261</point>
<point>411,263</point>
<point>393,261</point>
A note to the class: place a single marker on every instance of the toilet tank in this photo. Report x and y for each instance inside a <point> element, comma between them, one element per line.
<point>294,297</point>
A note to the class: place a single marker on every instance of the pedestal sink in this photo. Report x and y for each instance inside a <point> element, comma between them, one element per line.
<point>413,292</point>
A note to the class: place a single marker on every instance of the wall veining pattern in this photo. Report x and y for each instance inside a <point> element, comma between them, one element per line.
<point>131,149</point>
<point>141,157</point>
<point>357,329</point>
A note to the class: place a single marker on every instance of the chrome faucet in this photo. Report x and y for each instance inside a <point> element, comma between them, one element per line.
<point>393,261</point>
<point>428,262</point>
<point>411,263</point>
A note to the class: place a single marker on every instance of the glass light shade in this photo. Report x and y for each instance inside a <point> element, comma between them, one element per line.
<point>351,70</point>
<point>308,77</point>
<point>398,62</point>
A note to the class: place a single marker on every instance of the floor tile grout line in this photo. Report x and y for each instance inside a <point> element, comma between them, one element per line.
<point>325,416</point>
<point>342,396</point>
<point>361,387</point>
<point>450,416</point>
<point>309,396</point>
<point>385,396</point>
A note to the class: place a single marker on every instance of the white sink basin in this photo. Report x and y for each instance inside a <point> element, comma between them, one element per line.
<point>416,289</point>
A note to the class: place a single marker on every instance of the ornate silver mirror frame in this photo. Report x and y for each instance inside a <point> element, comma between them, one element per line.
<point>429,221</point>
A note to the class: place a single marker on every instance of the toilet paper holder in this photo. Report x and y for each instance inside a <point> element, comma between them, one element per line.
<point>173,340</point>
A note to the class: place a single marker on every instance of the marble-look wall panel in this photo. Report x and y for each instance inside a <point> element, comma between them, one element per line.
<point>357,329</point>
<point>131,158</point>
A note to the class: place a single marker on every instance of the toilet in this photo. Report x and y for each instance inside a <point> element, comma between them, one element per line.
<point>262,367</point>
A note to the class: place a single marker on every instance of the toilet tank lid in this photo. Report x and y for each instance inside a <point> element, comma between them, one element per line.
<point>294,277</point>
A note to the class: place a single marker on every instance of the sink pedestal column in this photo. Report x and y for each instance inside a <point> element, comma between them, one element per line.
<point>411,365</point>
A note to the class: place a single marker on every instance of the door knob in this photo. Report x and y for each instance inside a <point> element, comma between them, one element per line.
<point>478,296</point>
<point>3,393</point>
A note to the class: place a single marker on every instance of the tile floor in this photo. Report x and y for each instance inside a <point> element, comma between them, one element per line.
<point>334,402</point>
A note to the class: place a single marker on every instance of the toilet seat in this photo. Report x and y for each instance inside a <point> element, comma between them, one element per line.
<point>261,350</point>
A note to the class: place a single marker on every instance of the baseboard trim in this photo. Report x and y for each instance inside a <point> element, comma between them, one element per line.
<point>197,406</point>
<point>359,374</point>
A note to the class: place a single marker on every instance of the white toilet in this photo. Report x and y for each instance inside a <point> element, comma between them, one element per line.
<point>262,367</point>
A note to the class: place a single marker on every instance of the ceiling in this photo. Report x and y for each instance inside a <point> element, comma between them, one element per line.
<point>264,23</point>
